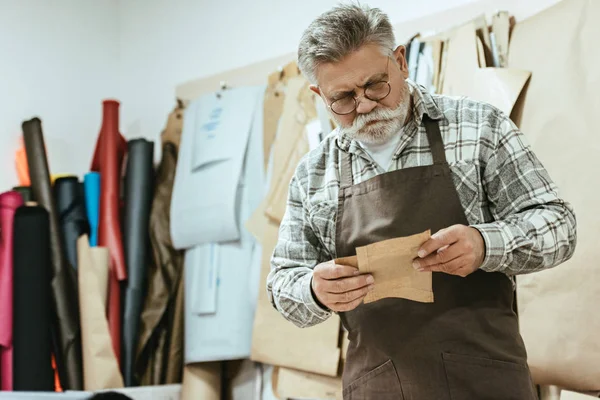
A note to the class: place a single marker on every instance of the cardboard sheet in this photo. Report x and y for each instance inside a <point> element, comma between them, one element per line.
<point>390,263</point>
<point>100,366</point>
<point>277,202</point>
<point>293,384</point>
<point>463,77</point>
<point>201,381</point>
<point>279,342</point>
<point>100,261</point>
<point>258,221</point>
<point>273,107</point>
<point>501,29</point>
<point>568,395</point>
<point>559,318</point>
<point>290,144</point>
<point>436,46</point>
<point>273,103</point>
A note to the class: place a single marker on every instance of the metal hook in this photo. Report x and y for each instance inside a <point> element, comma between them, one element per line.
<point>223,86</point>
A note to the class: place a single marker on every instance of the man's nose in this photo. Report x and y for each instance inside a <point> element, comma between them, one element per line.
<point>365,105</point>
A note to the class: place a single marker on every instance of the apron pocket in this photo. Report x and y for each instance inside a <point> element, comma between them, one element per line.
<point>482,378</point>
<point>381,383</point>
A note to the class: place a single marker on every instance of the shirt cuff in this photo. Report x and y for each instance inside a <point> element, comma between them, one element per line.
<point>495,247</point>
<point>309,301</point>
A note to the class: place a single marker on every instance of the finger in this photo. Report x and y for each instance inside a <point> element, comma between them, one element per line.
<point>346,284</point>
<point>348,297</point>
<point>442,256</point>
<point>342,307</point>
<point>449,268</point>
<point>444,237</point>
<point>337,271</point>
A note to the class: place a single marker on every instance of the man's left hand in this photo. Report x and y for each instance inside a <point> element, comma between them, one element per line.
<point>457,250</point>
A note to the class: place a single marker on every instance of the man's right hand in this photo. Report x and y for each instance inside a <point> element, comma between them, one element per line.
<point>340,287</point>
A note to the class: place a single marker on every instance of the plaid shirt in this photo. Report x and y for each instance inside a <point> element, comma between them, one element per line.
<point>505,192</point>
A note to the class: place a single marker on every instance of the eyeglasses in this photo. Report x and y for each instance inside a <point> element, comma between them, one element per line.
<point>375,91</point>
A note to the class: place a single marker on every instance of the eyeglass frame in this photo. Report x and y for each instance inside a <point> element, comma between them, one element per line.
<point>355,98</point>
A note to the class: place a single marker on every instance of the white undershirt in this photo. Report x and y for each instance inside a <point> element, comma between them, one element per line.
<point>382,153</point>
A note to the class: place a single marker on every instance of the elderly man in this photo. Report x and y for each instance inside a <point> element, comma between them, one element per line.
<point>403,161</point>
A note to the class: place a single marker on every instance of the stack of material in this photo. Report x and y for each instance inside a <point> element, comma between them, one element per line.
<point>71,250</point>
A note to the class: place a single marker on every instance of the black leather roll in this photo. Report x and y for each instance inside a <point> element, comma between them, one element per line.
<point>65,324</point>
<point>70,205</point>
<point>139,177</point>
<point>32,318</point>
<point>26,193</point>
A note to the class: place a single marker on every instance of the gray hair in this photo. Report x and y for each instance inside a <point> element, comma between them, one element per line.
<point>341,31</point>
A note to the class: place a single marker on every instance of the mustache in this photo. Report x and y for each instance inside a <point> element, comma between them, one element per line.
<point>377,115</point>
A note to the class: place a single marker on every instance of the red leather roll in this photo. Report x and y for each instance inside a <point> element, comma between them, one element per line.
<point>9,202</point>
<point>108,158</point>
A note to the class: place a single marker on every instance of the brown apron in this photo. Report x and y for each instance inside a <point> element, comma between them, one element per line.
<point>464,346</point>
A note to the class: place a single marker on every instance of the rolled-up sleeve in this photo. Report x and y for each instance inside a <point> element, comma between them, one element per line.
<point>533,228</point>
<point>297,252</point>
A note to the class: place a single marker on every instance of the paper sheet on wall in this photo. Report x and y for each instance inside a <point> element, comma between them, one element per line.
<point>290,144</point>
<point>314,349</point>
<point>205,278</point>
<point>205,200</point>
<point>558,308</point>
<point>463,77</point>
<point>425,69</point>
<point>313,134</point>
<point>413,58</point>
<point>218,324</point>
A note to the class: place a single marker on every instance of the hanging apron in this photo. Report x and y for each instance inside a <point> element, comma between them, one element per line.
<point>464,346</point>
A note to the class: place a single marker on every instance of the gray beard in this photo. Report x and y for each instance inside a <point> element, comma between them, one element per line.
<point>391,121</point>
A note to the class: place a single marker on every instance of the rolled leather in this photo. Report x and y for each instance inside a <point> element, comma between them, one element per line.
<point>64,297</point>
<point>159,358</point>
<point>71,214</point>
<point>108,157</point>
<point>139,177</point>
<point>91,190</point>
<point>25,192</point>
<point>9,202</point>
<point>32,300</point>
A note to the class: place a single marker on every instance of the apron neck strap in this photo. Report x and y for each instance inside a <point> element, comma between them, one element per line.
<point>346,170</point>
<point>435,140</point>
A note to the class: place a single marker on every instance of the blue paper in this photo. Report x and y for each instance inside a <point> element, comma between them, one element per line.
<point>91,188</point>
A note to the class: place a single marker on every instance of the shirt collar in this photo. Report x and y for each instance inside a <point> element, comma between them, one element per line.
<point>422,103</point>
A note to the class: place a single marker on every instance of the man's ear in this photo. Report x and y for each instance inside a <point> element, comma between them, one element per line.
<point>400,57</point>
<point>315,89</point>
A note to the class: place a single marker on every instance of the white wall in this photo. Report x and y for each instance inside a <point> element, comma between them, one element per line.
<point>166,42</point>
<point>58,60</point>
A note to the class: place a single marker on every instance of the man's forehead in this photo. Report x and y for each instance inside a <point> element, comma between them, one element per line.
<point>352,71</point>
